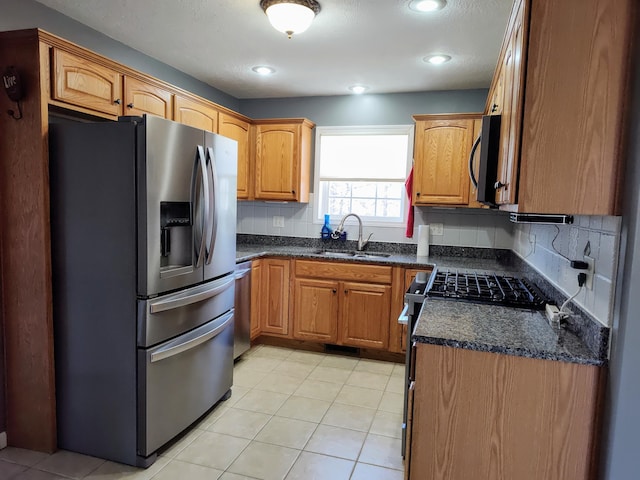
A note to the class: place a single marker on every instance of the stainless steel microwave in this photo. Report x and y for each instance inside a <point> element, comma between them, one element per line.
<point>489,143</point>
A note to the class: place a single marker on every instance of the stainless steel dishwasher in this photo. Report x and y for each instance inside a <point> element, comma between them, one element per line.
<point>242,335</point>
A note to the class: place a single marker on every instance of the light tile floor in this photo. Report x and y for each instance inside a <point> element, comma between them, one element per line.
<point>293,415</point>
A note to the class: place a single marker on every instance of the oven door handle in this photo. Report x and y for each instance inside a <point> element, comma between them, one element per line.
<point>403,319</point>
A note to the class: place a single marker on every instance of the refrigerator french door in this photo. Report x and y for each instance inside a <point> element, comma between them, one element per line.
<point>143,216</point>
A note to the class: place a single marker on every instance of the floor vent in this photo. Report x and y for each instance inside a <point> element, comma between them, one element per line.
<point>328,348</point>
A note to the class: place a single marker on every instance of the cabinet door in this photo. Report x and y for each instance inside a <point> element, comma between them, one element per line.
<point>256,297</point>
<point>195,114</point>
<point>86,84</point>
<point>141,97</point>
<point>277,160</point>
<point>473,190</point>
<point>238,129</point>
<point>315,315</point>
<point>441,162</point>
<point>364,318</point>
<point>275,297</point>
<point>513,77</point>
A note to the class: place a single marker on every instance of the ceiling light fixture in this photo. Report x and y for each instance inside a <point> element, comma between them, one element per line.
<point>427,5</point>
<point>290,16</point>
<point>263,70</point>
<point>358,89</point>
<point>437,59</point>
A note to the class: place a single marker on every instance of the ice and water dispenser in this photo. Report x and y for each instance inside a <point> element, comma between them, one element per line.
<point>176,235</point>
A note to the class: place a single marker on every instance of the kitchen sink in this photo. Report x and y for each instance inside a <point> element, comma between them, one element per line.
<point>350,254</point>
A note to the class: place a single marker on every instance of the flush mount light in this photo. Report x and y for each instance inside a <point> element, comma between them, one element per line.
<point>290,16</point>
<point>437,59</point>
<point>427,5</point>
<point>358,89</point>
<point>263,70</point>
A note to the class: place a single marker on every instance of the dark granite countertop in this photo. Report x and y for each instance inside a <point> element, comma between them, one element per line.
<point>481,327</point>
<point>492,328</point>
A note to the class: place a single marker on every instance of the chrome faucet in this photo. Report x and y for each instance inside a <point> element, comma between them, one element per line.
<point>361,243</point>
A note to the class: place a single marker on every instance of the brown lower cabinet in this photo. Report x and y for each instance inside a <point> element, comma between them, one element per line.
<point>491,416</point>
<point>342,303</point>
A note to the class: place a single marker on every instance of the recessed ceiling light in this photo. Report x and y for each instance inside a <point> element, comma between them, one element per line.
<point>358,89</point>
<point>427,5</point>
<point>437,59</point>
<point>263,70</point>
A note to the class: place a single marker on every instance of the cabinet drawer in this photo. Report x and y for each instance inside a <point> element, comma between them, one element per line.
<point>343,271</point>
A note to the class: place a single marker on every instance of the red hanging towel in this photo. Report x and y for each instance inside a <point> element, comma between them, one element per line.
<point>408,186</point>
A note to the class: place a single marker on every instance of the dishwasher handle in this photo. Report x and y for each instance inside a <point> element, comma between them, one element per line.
<point>403,318</point>
<point>242,273</point>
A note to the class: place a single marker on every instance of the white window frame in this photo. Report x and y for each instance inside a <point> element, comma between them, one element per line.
<point>318,213</point>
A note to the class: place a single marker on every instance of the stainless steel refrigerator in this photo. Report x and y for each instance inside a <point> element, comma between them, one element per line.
<point>143,225</point>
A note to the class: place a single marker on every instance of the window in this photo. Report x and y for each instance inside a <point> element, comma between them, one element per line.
<point>362,170</point>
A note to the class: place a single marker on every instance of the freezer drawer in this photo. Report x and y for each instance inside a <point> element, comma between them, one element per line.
<point>167,316</point>
<point>181,379</point>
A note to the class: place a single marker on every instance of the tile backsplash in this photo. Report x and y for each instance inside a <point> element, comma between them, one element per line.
<point>461,227</point>
<point>534,244</point>
<point>477,228</point>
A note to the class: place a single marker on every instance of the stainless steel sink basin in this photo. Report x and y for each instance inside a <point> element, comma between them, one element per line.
<point>349,254</point>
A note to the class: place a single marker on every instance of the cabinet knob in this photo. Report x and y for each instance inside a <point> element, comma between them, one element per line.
<point>346,291</point>
<point>499,184</point>
<point>117,101</point>
<point>418,194</point>
<point>293,191</point>
<point>335,290</point>
<point>130,105</point>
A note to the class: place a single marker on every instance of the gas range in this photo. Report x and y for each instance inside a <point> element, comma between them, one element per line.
<point>487,288</point>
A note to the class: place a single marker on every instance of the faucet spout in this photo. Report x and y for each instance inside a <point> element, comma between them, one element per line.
<point>340,229</point>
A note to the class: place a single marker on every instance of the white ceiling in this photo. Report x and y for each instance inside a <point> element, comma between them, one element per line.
<point>379,43</point>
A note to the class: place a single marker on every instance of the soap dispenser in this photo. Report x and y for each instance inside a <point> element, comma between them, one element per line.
<point>326,228</point>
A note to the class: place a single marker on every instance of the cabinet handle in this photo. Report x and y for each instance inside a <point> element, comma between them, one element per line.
<point>117,101</point>
<point>418,194</point>
<point>129,105</point>
<point>293,191</point>
<point>346,291</point>
<point>499,184</point>
<point>335,291</point>
<point>494,107</point>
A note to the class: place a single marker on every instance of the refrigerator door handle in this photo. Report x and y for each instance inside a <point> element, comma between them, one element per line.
<point>200,170</point>
<point>172,350</point>
<point>211,169</point>
<point>182,300</point>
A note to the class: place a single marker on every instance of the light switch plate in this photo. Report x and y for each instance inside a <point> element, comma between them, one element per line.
<point>436,229</point>
<point>278,221</point>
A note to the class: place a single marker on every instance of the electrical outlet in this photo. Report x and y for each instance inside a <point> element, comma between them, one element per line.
<point>278,221</point>
<point>590,272</point>
<point>436,229</point>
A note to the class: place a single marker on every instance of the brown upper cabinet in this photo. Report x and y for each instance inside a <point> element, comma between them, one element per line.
<point>441,159</point>
<point>561,146</point>
<point>141,97</point>
<point>235,127</point>
<point>195,114</point>
<point>283,159</point>
<point>83,83</point>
